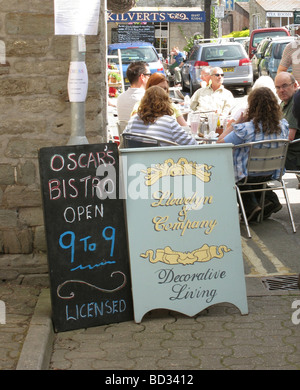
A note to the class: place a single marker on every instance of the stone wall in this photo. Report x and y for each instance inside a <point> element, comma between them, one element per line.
<point>35,113</point>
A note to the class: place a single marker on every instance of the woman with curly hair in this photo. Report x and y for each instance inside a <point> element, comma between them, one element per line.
<point>154,118</point>
<point>262,121</point>
<point>160,80</point>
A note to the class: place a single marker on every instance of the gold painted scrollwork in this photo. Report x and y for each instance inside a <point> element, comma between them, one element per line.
<point>169,256</point>
<point>180,168</point>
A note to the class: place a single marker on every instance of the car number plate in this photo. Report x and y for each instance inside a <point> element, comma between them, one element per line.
<point>228,69</point>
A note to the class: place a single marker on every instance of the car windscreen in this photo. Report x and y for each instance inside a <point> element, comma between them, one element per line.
<point>222,53</point>
<point>131,54</point>
<point>260,36</point>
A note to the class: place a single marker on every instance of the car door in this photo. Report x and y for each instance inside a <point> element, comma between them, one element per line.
<point>256,59</point>
<point>276,58</point>
<point>263,69</point>
<point>258,56</point>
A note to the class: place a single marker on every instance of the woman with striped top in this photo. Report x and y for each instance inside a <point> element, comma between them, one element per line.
<point>154,118</point>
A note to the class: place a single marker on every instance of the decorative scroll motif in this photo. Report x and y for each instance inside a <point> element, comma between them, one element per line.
<point>169,256</point>
<point>181,168</point>
<point>178,16</point>
<point>72,294</point>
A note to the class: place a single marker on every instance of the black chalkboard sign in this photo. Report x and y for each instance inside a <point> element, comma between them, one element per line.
<point>86,237</point>
<point>133,33</point>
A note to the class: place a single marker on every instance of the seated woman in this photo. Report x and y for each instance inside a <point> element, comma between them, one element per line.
<point>160,80</point>
<point>154,118</point>
<point>262,121</point>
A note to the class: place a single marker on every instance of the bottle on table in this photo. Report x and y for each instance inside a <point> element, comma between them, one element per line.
<point>187,102</point>
<point>205,128</point>
<point>219,129</point>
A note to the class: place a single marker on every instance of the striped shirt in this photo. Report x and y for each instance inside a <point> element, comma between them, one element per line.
<point>166,127</point>
<point>244,133</point>
<point>291,57</point>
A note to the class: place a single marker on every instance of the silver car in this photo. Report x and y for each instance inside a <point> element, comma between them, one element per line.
<point>230,56</point>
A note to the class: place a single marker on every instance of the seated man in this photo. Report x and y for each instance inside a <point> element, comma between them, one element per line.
<point>296,107</point>
<point>286,87</point>
<point>205,76</point>
<point>177,58</point>
<point>138,74</point>
<point>214,96</point>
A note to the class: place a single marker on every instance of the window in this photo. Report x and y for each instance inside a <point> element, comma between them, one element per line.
<point>162,38</point>
<point>256,21</point>
<point>278,50</point>
<point>260,36</point>
<point>219,53</point>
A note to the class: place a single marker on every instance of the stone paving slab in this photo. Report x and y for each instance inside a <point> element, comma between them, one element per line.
<point>20,302</point>
<point>219,338</point>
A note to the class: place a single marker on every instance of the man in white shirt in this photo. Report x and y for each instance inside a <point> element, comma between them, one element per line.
<point>214,97</point>
<point>138,74</point>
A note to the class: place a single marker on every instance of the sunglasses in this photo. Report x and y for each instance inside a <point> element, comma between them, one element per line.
<point>218,74</point>
<point>147,74</point>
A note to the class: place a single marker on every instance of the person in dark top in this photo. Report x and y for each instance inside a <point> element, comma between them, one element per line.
<point>296,108</point>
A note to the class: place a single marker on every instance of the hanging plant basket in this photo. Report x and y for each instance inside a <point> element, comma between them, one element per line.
<point>120,6</point>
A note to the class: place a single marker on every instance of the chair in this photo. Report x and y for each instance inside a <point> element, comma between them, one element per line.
<point>296,171</point>
<point>137,140</point>
<point>264,157</point>
<point>121,126</point>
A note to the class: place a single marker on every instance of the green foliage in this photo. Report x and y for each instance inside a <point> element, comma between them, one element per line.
<point>237,34</point>
<point>115,75</point>
<point>190,42</point>
<point>214,24</point>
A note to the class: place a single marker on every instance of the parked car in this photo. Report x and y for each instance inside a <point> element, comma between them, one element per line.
<point>136,51</point>
<point>246,44</point>
<point>230,56</point>
<point>257,57</point>
<point>272,57</point>
<point>259,34</point>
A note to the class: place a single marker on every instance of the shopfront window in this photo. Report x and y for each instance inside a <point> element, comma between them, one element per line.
<point>162,38</point>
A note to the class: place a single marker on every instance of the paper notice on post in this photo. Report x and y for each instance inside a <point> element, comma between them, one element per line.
<point>76,17</point>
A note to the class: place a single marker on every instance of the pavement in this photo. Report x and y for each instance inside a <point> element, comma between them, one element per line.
<point>218,338</point>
